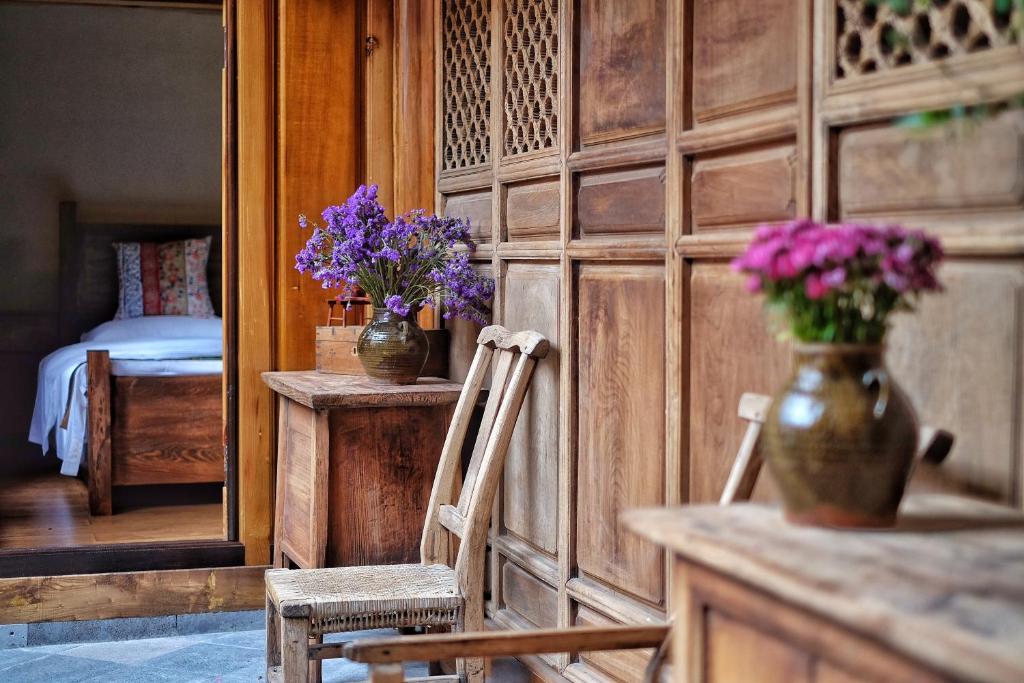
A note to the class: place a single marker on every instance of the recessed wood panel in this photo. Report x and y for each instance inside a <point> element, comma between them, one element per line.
<point>383,460</point>
<point>531,467</point>
<point>623,665</point>
<point>529,597</point>
<point>474,206</point>
<point>744,55</point>
<point>532,210</point>
<point>462,339</point>
<point>733,652</point>
<point>621,68</point>
<point>744,190</point>
<point>621,202</point>
<point>621,409</point>
<point>959,359</point>
<point>958,171</point>
<point>733,352</point>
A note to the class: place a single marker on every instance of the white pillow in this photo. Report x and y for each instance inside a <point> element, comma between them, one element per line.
<point>155,326</point>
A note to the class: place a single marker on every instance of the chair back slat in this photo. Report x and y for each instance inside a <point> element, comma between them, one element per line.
<point>434,543</point>
<point>499,385</point>
<point>469,563</point>
<point>506,351</point>
<point>747,465</point>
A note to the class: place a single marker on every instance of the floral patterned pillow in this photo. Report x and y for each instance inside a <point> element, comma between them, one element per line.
<point>167,278</point>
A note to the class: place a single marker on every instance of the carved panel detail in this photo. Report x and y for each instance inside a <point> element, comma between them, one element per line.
<point>467,81</point>
<point>531,75</point>
<point>872,36</point>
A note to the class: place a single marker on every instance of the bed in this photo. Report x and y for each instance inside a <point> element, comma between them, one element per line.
<point>136,401</point>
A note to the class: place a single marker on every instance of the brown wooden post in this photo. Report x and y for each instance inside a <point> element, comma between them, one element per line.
<point>98,394</point>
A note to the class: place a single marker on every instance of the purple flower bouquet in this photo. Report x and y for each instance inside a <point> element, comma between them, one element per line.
<point>401,264</point>
<point>838,284</point>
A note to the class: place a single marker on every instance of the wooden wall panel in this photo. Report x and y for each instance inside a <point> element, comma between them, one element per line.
<point>532,211</point>
<point>949,178</point>
<point>959,359</point>
<point>531,470</point>
<point>475,207</point>
<point>653,357</point>
<point>743,190</point>
<point>529,597</point>
<point>318,131</point>
<point>621,69</point>
<point>624,665</point>
<point>621,202</point>
<point>732,352</point>
<point>462,341</point>
<point>621,407</point>
<point>744,55</point>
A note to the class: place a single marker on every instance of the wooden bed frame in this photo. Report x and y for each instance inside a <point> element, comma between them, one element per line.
<point>141,430</point>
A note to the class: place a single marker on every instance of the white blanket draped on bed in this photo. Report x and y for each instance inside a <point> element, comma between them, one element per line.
<point>158,345</point>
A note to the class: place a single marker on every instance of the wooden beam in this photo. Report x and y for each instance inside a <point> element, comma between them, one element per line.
<point>213,5</point>
<point>120,557</point>
<point>255,32</point>
<point>378,86</point>
<point>501,644</point>
<point>100,405</point>
<point>82,597</point>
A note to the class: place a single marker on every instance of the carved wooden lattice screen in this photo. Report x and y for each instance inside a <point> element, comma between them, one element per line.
<point>873,36</point>
<point>467,78</point>
<point>531,75</point>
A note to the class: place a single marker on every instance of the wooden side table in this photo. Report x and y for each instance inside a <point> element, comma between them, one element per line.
<point>939,598</point>
<point>355,465</point>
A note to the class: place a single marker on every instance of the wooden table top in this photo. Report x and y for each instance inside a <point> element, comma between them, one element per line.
<point>321,391</point>
<point>945,587</point>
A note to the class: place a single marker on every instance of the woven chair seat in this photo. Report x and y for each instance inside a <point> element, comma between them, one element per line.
<point>356,598</point>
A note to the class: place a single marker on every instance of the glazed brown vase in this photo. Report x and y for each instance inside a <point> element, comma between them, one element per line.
<point>840,438</point>
<point>392,348</point>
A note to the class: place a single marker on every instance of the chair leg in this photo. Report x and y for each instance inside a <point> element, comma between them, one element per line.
<point>316,666</point>
<point>295,650</point>
<point>472,669</point>
<point>273,637</point>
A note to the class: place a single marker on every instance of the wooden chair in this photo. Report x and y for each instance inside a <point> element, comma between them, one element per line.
<point>305,604</point>
<point>385,655</point>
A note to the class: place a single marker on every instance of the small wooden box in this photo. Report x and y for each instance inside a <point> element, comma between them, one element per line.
<point>336,351</point>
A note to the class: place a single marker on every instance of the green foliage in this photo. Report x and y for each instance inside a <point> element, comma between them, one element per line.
<point>857,317</point>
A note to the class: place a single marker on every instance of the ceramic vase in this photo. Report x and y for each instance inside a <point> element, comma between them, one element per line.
<point>840,438</point>
<point>392,348</point>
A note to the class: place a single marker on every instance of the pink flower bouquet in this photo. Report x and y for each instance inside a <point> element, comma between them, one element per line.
<point>839,283</point>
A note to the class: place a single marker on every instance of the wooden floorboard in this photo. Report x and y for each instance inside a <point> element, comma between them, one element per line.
<point>52,511</point>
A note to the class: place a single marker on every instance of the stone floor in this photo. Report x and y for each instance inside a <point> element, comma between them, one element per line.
<point>220,657</point>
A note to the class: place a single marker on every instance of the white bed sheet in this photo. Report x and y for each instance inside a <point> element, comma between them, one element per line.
<point>62,382</point>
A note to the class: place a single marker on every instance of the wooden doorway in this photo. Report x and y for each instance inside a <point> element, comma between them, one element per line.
<point>207,534</point>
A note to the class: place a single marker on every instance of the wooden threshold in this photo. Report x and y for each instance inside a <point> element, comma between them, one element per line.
<point>120,557</point>
<point>85,597</point>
